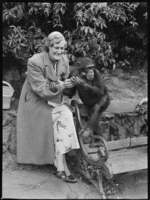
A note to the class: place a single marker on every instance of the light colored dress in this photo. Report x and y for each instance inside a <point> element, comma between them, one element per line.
<point>65,135</point>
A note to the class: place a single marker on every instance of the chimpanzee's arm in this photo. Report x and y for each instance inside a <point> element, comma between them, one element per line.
<point>93,90</point>
<point>70,92</point>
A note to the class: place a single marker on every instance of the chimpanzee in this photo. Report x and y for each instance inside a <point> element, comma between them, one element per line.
<point>91,89</point>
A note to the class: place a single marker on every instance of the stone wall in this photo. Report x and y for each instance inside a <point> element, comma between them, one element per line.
<point>14,73</point>
<point>9,135</point>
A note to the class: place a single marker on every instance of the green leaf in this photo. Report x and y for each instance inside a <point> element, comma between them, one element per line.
<point>114,67</point>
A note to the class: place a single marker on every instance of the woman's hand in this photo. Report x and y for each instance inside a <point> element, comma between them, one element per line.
<point>53,87</point>
<point>68,83</point>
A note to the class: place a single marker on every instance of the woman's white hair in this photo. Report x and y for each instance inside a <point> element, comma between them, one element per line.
<point>54,38</point>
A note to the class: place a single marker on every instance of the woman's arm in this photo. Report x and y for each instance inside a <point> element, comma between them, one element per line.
<point>39,84</point>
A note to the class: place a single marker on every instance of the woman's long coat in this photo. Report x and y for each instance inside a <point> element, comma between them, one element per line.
<point>35,136</point>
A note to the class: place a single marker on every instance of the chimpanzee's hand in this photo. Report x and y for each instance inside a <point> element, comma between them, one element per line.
<point>77,81</point>
<point>86,136</point>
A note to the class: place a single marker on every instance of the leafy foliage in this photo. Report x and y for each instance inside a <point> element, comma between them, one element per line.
<point>114,34</point>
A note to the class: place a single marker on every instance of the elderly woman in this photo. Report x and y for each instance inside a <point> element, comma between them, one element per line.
<point>45,127</point>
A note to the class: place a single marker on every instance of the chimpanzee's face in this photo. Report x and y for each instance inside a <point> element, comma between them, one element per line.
<point>90,74</point>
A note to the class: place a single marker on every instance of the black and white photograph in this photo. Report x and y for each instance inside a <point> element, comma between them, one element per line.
<point>75,100</point>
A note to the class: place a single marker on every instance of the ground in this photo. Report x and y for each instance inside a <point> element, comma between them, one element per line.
<point>127,85</point>
<point>39,182</point>
<point>42,184</point>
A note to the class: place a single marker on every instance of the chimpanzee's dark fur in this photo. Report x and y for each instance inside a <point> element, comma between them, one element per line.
<point>94,96</point>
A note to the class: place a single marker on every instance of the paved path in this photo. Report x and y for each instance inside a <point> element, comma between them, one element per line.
<point>133,185</point>
<point>41,184</point>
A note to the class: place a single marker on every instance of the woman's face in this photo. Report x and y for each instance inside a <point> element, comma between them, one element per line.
<point>90,74</point>
<point>56,51</point>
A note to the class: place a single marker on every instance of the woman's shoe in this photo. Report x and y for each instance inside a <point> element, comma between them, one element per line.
<point>71,179</point>
<point>61,175</point>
